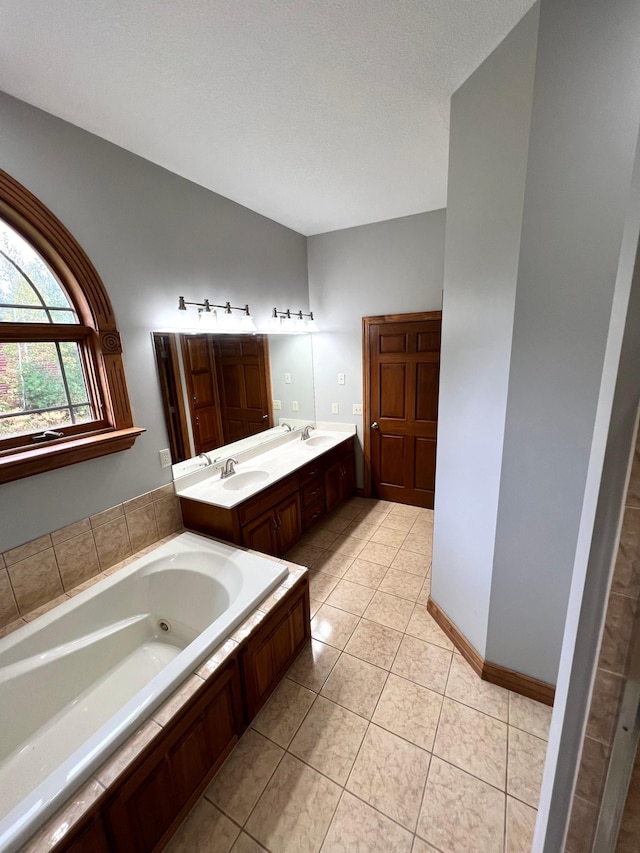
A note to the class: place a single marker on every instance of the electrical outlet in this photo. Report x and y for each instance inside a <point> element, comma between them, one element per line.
<point>277,405</point>
<point>341,379</point>
<point>335,408</point>
<point>295,406</point>
<point>287,379</point>
<point>165,458</point>
<point>357,408</point>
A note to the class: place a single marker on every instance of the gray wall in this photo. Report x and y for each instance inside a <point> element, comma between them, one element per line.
<point>490,119</point>
<point>584,133</point>
<point>292,354</point>
<point>152,236</point>
<point>384,268</point>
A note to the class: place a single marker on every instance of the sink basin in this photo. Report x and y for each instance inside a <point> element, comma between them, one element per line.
<point>320,440</point>
<point>244,479</point>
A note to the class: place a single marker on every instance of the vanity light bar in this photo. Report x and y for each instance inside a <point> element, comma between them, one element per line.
<point>225,322</point>
<point>285,321</point>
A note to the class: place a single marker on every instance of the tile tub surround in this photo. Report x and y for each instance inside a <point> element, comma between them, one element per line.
<point>358,749</point>
<point>44,571</point>
<point>63,822</point>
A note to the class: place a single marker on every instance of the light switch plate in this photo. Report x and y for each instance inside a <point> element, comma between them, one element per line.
<point>287,379</point>
<point>165,458</point>
<point>277,405</point>
<point>294,405</point>
<point>357,408</point>
<point>341,379</point>
<point>335,409</point>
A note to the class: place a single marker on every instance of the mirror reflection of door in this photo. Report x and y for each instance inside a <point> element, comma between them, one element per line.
<point>215,389</point>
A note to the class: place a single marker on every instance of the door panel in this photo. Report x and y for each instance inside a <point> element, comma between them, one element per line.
<point>401,378</point>
<point>199,368</point>
<point>244,396</point>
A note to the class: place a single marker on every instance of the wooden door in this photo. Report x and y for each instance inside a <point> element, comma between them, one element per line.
<point>402,365</point>
<point>200,374</point>
<point>245,398</point>
<point>175,413</point>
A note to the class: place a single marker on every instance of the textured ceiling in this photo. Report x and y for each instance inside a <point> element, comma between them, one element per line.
<point>320,114</point>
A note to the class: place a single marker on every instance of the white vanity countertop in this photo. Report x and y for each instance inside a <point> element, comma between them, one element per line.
<point>261,470</point>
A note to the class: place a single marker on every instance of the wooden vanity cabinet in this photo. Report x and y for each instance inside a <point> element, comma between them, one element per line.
<point>275,519</point>
<point>269,653</point>
<point>339,476</point>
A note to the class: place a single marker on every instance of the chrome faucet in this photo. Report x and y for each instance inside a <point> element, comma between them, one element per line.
<point>207,459</point>
<point>305,431</point>
<point>228,468</point>
<point>288,426</point>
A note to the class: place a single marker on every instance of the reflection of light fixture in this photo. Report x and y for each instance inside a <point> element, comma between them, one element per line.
<point>286,323</point>
<point>226,322</point>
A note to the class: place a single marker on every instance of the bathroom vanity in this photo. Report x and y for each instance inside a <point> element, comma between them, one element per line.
<point>285,494</point>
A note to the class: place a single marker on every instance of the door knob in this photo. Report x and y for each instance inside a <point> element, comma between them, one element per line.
<point>264,417</point>
<point>374,425</point>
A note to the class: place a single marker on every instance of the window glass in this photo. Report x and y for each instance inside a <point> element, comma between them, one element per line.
<point>28,289</point>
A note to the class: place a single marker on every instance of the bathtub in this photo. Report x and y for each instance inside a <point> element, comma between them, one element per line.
<point>76,682</point>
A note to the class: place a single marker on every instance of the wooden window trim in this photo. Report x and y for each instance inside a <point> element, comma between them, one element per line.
<point>114,431</point>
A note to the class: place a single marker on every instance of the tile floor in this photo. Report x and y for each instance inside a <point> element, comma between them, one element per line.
<point>381,737</point>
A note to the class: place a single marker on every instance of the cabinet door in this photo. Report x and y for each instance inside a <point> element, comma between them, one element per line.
<point>288,523</point>
<point>260,534</point>
<point>333,486</point>
<point>349,474</point>
<point>91,838</point>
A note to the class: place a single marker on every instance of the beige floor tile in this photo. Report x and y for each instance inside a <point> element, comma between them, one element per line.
<point>389,610</point>
<point>347,545</point>
<point>405,511</point>
<point>329,739</point>
<point>381,554</point>
<point>525,766</point>
<point>358,827</point>
<point>465,686</point>
<point>408,561</point>
<point>319,537</point>
<point>396,522</point>
<point>420,846</point>
<point>314,606</point>
<point>334,564</point>
<point>423,663</point>
<point>294,813</point>
<point>346,510</point>
<point>281,716</point>
<point>473,742</point>
<point>362,528</point>
<point>375,512</point>
<point>459,812</point>
<point>425,592</point>
<point>389,536</point>
<point>366,573</point>
<point>321,585</point>
<point>304,555</point>
<point>408,710</point>
<point>238,784</point>
<point>423,626</point>
<point>334,523</point>
<point>529,715</point>
<point>314,663</point>
<point>521,824</point>
<point>402,584</point>
<point>418,543</point>
<point>355,684</point>
<point>374,643</point>
<point>333,626</point>
<point>352,597</point>
<point>206,830</point>
<point>246,844</point>
<point>389,774</point>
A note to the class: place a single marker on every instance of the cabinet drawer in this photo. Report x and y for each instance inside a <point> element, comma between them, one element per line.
<point>313,469</point>
<point>267,499</point>
<point>313,514</point>
<point>313,491</point>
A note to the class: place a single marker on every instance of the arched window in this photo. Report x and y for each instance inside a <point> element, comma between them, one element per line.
<point>63,396</point>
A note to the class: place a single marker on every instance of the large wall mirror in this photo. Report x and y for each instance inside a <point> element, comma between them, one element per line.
<point>221,389</point>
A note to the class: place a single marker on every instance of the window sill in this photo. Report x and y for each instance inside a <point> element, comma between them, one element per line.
<point>36,460</point>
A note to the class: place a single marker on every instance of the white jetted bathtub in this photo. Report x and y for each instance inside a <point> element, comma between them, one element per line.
<point>80,679</point>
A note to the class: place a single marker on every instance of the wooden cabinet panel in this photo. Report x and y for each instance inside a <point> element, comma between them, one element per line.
<point>260,534</point>
<point>333,486</point>
<point>312,491</point>
<point>267,499</point>
<point>269,653</point>
<point>288,523</point>
<point>90,838</point>
<point>313,514</point>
